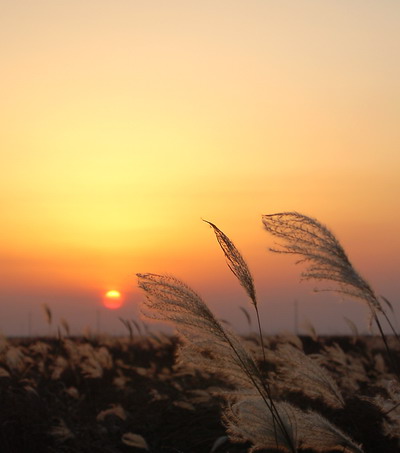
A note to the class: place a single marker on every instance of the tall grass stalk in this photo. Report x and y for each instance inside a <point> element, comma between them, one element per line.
<point>239,268</point>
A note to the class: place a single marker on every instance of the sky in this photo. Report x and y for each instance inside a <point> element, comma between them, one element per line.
<point>125,123</point>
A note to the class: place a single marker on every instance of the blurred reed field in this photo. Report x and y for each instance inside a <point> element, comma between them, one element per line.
<point>207,389</point>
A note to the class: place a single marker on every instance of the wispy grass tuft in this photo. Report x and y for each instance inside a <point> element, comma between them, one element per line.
<point>249,420</point>
<point>169,299</point>
<point>47,313</point>
<point>327,260</point>
<point>238,266</point>
<point>236,262</point>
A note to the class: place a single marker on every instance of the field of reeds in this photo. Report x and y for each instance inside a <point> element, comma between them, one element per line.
<point>207,389</point>
<point>126,395</point>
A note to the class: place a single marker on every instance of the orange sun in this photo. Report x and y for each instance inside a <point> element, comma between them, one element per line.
<point>112,299</point>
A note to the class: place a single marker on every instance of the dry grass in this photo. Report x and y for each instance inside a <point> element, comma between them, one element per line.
<point>262,407</point>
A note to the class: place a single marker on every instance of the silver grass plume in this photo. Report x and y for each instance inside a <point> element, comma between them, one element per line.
<point>390,407</point>
<point>208,345</point>
<point>236,262</point>
<point>299,372</point>
<point>238,266</point>
<point>169,299</point>
<point>249,420</point>
<point>319,434</point>
<point>306,237</point>
<point>47,313</point>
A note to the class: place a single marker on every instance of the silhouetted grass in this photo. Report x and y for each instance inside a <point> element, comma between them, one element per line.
<point>259,410</point>
<point>209,390</point>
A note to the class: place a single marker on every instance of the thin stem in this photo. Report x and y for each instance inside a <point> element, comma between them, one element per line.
<point>392,409</point>
<point>260,333</point>
<point>388,350</point>
<point>391,326</point>
<point>269,402</point>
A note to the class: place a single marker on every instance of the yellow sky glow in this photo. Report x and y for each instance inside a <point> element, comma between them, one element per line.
<point>126,123</point>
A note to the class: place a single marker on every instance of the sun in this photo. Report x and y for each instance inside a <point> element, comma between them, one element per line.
<point>112,299</point>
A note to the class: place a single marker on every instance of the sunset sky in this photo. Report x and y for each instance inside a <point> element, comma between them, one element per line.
<point>124,123</point>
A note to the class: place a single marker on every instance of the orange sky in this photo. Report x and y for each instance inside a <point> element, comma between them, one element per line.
<point>126,122</point>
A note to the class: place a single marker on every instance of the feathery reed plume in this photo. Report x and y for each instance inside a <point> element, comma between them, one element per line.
<point>248,420</point>
<point>390,407</point>
<point>310,329</point>
<point>306,237</point>
<point>169,299</point>
<point>349,371</point>
<point>235,262</point>
<point>313,241</point>
<point>238,266</point>
<point>65,325</point>
<point>206,343</point>
<point>47,313</point>
<point>48,316</point>
<point>134,440</point>
<point>317,433</point>
<point>299,372</point>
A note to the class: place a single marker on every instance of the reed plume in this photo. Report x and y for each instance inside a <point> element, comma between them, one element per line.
<point>169,299</point>
<point>236,262</point>
<point>238,266</point>
<point>208,344</point>
<point>326,258</point>
<point>64,323</point>
<point>249,420</point>
<point>299,372</point>
<point>47,313</point>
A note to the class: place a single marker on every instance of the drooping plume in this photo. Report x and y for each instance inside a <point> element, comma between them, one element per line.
<point>207,342</point>
<point>248,420</point>
<point>299,372</point>
<point>326,258</point>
